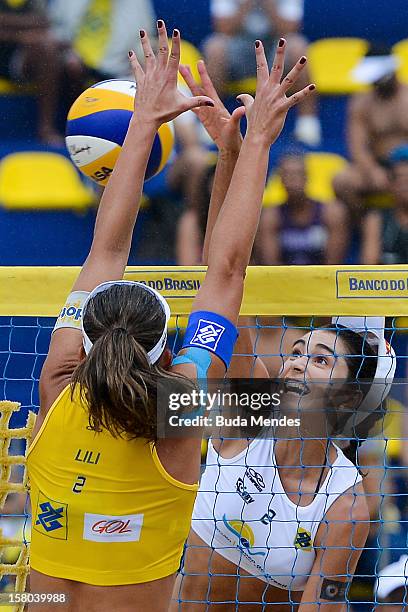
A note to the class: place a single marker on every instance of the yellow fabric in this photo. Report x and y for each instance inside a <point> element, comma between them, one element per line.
<point>401,51</point>
<point>331,61</point>
<point>95,31</point>
<point>303,290</point>
<point>320,168</point>
<point>41,180</point>
<point>117,478</point>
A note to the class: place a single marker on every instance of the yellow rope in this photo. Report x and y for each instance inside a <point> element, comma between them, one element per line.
<point>20,568</point>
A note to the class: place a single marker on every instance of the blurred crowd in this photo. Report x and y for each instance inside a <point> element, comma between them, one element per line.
<point>60,47</point>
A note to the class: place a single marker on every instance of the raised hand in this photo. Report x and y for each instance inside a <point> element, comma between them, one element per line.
<point>157,98</point>
<point>221,126</point>
<point>267,113</point>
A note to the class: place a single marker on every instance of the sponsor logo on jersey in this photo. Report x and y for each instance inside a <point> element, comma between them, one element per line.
<point>207,334</point>
<point>268,517</point>
<point>242,492</point>
<point>256,479</point>
<point>303,540</point>
<point>103,528</point>
<point>244,535</point>
<point>51,517</point>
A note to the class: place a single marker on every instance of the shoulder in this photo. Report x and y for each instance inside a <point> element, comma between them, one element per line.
<point>359,102</point>
<point>333,212</point>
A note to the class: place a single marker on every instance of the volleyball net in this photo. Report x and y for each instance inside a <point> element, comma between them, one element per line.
<point>280,305</point>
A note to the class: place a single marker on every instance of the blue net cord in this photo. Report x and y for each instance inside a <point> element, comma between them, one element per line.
<point>240,571</point>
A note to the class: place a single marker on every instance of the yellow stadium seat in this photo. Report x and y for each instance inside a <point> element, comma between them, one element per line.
<point>320,168</point>
<point>331,61</point>
<point>401,51</point>
<point>41,180</point>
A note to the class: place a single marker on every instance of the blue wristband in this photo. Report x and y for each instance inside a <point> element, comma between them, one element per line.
<point>212,332</point>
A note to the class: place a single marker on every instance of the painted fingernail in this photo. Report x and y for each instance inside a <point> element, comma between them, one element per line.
<point>312,87</point>
<point>176,33</point>
<point>209,104</point>
<point>160,23</point>
<point>142,33</point>
<point>130,53</point>
<point>257,44</point>
<point>281,42</point>
<point>303,60</point>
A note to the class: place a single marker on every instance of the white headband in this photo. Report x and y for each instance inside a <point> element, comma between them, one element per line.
<point>156,352</point>
<point>372,329</point>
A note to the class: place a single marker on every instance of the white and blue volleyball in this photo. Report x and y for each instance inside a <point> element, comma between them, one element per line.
<point>97,125</point>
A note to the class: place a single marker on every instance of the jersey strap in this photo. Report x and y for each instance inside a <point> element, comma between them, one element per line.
<point>71,313</point>
<point>212,332</point>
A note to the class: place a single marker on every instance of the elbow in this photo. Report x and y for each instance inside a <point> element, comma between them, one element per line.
<point>229,269</point>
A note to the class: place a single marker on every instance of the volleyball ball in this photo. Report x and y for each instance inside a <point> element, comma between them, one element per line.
<point>97,125</point>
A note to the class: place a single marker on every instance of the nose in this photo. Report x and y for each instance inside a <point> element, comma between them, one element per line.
<point>298,363</point>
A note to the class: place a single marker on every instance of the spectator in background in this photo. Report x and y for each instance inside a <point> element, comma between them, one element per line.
<point>95,36</point>
<point>28,53</point>
<point>301,231</point>
<point>237,24</point>
<point>385,232</point>
<point>192,223</point>
<point>377,123</point>
<point>391,587</point>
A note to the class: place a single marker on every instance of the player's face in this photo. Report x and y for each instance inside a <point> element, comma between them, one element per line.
<point>316,366</point>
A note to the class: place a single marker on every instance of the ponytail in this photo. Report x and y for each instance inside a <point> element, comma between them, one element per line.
<point>119,386</point>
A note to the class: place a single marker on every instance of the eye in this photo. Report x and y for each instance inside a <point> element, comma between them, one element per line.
<point>322,359</point>
<point>295,353</point>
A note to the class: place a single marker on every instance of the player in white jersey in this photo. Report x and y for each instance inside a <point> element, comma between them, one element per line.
<point>284,521</point>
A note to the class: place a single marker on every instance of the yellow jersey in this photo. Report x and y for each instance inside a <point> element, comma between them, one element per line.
<point>104,509</point>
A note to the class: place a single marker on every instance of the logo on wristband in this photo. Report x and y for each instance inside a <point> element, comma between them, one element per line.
<point>207,334</point>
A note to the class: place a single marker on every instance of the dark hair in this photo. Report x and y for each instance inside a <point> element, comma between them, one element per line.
<point>362,365</point>
<point>116,380</point>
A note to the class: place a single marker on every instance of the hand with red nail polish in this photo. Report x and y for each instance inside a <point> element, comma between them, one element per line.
<point>157,98</point>
<point>266,114</point>
<point>222,127</point>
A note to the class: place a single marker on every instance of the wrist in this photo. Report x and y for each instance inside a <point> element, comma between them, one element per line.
<point>229,154</point>
<point>142,126</point>
<point>257,140</point>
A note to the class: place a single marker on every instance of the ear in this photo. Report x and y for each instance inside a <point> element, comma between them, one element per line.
<point>166,359</point>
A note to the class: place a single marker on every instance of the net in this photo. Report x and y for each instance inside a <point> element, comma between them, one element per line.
<point>250,561</point>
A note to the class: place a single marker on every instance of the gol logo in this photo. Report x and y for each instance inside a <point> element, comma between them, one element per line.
<point>111,527</point>
<point>103,528</point>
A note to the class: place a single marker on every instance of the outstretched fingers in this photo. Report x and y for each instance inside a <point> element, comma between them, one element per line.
<point>278,62</point>
<point>206,81</point>
<point>136,68</point>
<point>187,75</point>
<point>300,95</point>
<point>262,70</point>
<point>150,60</point>
<point>247,100</point>
<point>197,102</point>
<point>293,75</point>
<point>163,53</point>
<point>174,59</point>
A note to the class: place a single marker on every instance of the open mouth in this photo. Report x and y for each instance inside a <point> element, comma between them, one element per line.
<point>299,387</point>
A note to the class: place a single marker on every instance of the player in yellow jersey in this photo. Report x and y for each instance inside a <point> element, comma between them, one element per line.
<point>112,502</point>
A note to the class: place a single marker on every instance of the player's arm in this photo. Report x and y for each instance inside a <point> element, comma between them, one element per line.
<point>371,239</point>
<point>157,101</point>
<point>224,129</point>
<point>339,543</point>
<point>236,225</point>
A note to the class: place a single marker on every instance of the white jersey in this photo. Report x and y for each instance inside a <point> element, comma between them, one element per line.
<point>243,512</point>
